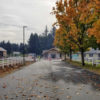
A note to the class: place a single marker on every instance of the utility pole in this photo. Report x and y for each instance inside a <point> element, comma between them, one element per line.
<point>24,44</point>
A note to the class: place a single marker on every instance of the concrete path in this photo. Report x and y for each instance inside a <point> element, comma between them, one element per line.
<point>50,80</point>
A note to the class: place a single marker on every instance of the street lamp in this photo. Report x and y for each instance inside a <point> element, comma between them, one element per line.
<point>24,44</point>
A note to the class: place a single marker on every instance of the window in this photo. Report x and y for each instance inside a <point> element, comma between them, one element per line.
<point>91,55</point>
<point>99,55</point>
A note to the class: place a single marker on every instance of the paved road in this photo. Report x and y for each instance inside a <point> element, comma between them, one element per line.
<point>50,80</point>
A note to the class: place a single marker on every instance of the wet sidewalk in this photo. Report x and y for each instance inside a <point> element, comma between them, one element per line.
<point>50,80</point>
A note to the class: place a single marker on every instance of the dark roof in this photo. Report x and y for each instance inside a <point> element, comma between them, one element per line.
<point>52,49</point>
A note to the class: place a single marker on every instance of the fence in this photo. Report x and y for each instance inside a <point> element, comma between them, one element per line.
<point>90,60</point>
<point>12,61</point>
<point>93,61</point>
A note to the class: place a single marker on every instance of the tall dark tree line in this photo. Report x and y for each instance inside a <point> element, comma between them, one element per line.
<point>33,44</point>
<point>36,43</point>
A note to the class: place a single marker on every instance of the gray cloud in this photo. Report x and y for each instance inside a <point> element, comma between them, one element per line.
<point>33,13</point>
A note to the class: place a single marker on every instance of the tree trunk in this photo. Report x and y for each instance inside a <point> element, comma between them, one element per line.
<point>70,55</point>
<point>82,57</point>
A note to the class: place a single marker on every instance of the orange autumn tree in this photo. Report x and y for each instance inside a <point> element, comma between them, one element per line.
<point>63,43</point>
<point>95,29</point>
<point>60,41</point>
<point>76,19</point>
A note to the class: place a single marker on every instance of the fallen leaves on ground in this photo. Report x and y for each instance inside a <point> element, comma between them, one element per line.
<point>77,93</point>
<point>69,97</point>
<point>4,85</point>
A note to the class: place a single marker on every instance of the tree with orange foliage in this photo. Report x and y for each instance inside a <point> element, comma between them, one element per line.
<point>95,29</point>
<point>76,20</point>
<point>63,43</point>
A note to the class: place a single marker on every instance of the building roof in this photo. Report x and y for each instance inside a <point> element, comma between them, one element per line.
<point>2,49</point>
<point>93,51</point>
<point>52,49</point>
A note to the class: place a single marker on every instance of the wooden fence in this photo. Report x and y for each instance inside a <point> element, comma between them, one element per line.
<point>12,61</point>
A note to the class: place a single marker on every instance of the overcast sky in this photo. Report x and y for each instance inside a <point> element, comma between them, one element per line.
<point>16,13</point>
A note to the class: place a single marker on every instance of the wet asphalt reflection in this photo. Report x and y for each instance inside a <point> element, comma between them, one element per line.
<point>50,80</point>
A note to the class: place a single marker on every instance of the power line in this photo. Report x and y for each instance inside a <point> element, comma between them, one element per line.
<point>3,24</point>
<point>19,26</point>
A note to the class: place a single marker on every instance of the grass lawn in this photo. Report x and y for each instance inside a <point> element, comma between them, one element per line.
<point>88,66</point>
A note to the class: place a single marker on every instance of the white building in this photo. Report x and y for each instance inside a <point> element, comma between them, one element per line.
<point>16,53</point>
<point>53,53</point>
<point>93,53</point>
<point>91,56</point>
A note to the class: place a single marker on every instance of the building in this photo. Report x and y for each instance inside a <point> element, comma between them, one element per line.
<point>92,53</point>
<point>53,53</point>
<point>16,53</point>
<point>3,52</point>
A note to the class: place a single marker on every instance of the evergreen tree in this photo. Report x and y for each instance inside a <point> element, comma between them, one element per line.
<point>36,43</point>
<point>34,46</point>
<point>45,32</point>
